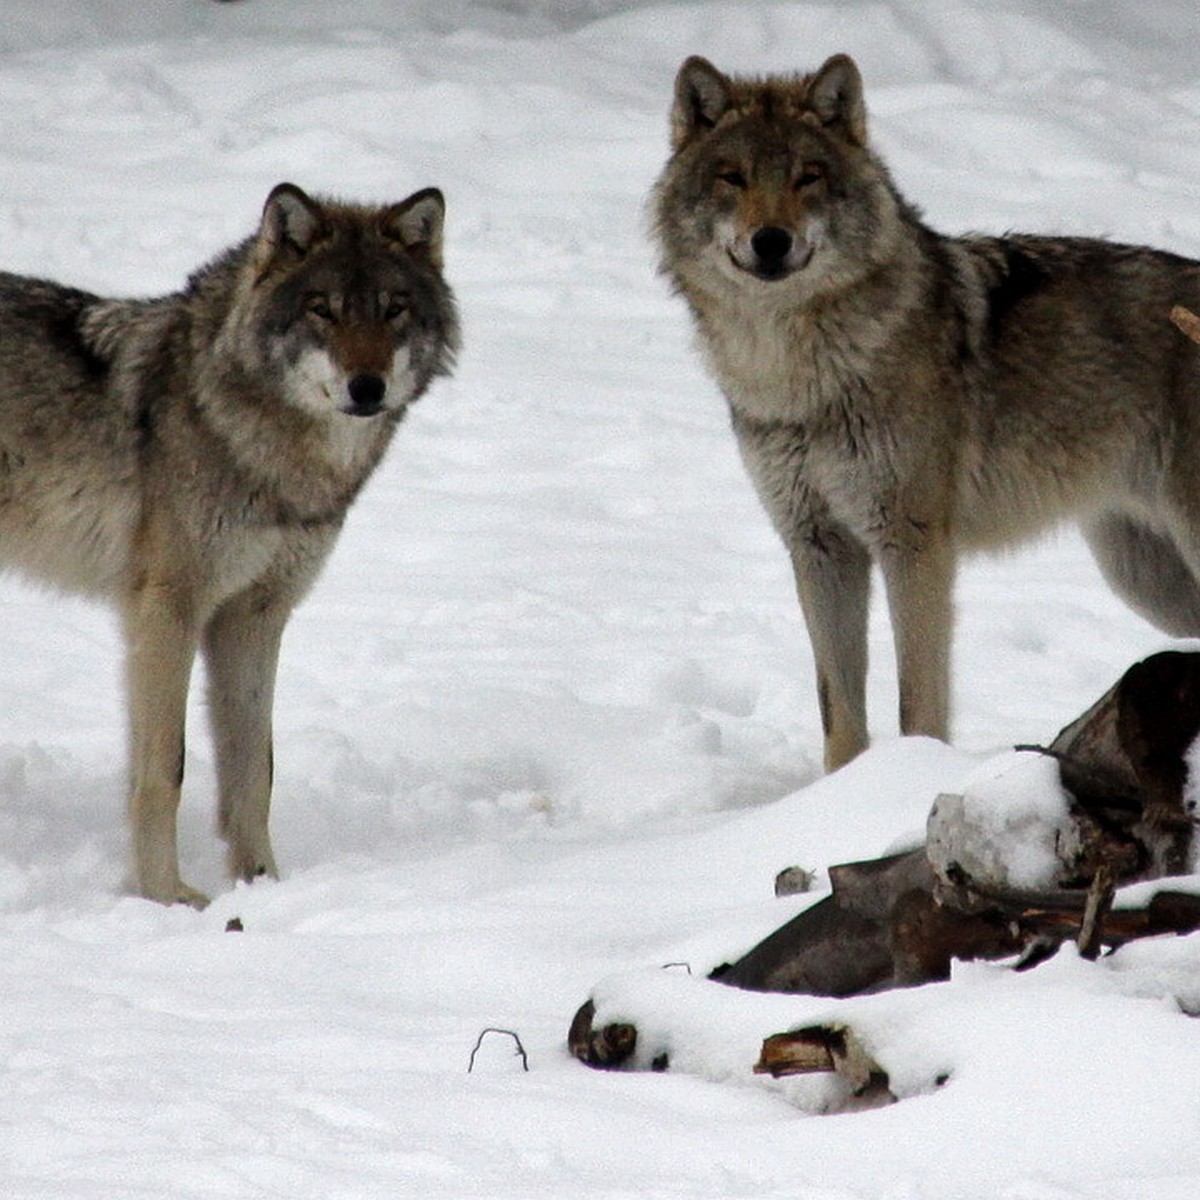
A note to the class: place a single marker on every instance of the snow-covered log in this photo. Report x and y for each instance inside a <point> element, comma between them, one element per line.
<point>1029,855</point>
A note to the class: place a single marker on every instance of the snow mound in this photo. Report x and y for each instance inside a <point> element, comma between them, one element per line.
<point>1010,826</point>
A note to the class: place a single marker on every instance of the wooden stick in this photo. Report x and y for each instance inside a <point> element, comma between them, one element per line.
<point>797,1052</point>
<point>1186,321</point>
<point>1099,904</point>
<point>828,1048</point>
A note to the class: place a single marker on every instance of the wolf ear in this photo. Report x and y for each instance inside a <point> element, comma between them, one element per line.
<point>701,99</point>
<point>416,223</point>
<point>292,220</point>
<point>836,97</point>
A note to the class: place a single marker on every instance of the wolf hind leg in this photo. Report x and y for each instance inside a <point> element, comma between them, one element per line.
<point>1148,571</point>
<point>833,578</point>
<point>241,652</point>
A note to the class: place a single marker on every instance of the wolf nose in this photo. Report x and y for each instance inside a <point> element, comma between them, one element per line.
<point>772,245</point>
<point>366,394</point>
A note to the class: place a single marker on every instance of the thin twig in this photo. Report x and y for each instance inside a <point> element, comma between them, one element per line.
<point>1108,787</point>
<point>507,1033</point>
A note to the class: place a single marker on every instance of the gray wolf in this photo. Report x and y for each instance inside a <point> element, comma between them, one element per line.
<point>900,396</point>
<point>192,458</point>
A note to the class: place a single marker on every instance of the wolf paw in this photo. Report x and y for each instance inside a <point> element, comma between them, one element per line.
<point>178,893</point>
<point>191,897</point>
<point>250,867</point>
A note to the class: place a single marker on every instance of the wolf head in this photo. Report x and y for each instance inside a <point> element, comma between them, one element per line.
<point>345,305</point>
<point>771,180</point>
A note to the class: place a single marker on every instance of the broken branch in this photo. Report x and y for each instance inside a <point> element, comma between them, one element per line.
<point>1186,321</point>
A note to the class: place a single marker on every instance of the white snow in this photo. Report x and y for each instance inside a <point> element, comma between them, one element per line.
<point>548,721</point>
<point>1009,827</point>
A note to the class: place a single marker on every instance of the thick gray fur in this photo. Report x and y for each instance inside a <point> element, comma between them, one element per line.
<point>901,397</point>
<point>191,459</point>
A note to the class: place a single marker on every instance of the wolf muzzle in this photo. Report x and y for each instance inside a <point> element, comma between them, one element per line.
<point>771,246</point>
<point>771,253</point>
<point>366,395</point>
<point>777,253</point>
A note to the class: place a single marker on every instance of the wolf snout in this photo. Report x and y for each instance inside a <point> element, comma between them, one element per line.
<point>773,252</point>
<point>772,245</point>
<point>366,395</point>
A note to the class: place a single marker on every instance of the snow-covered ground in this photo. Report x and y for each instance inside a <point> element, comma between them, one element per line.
<point>548,720</point>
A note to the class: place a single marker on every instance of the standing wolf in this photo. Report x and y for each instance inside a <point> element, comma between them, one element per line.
<point>192,458</point>
<point>901,396</point>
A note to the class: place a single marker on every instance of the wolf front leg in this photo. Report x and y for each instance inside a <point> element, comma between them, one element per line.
<point>241,652</point>
<point>833,579</point>
<point>160,648</point>
<point>918,574</point>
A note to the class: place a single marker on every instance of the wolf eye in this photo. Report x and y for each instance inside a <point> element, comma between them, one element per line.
<point>733,178</point>
<point>319,307</point>
<point>394,308</point>
<point>810,173</point>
